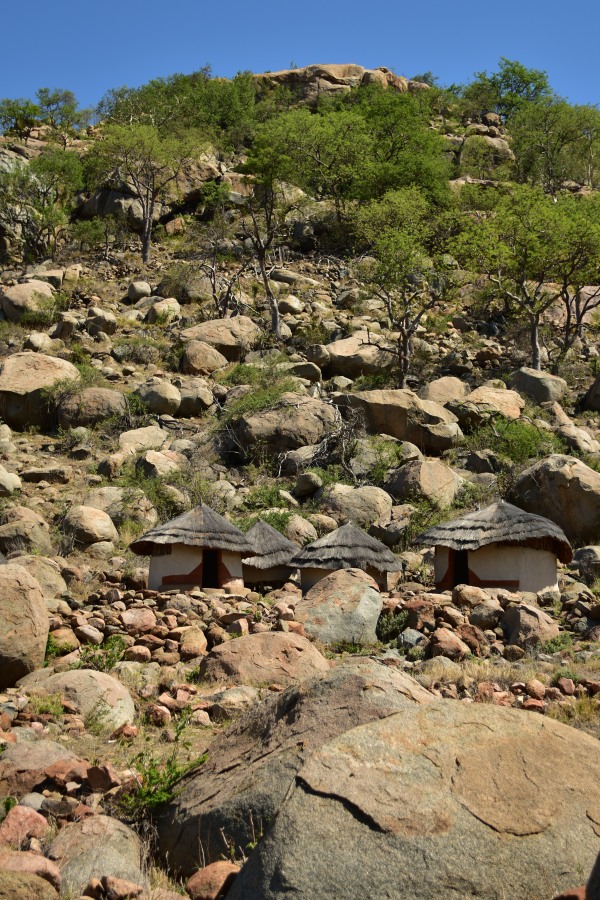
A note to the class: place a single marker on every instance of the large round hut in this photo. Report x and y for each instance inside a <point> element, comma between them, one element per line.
<point>197,549</point>
<point>347,547</point>
<point>270,562</point>
<point>500,546</point>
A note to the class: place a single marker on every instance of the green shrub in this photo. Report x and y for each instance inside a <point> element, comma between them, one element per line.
<point>514,440</point>
<point>54,650</point>
<point>47,704</point>
<point>158,779</point>
<point>277,519</point>
<point>264,497</point>
<point>391,625</point>
<point>103,657</point>
<point>266,396</point>
<point>564,641</point>
<point>47,312</point>
<point>565,673</point>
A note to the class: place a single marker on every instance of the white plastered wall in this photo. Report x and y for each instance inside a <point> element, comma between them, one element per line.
<point>179,561</point>
<point>182,560</point>
<point>535,570</point>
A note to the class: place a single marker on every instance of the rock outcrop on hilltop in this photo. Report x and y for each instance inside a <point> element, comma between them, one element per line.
<point>310,82</point>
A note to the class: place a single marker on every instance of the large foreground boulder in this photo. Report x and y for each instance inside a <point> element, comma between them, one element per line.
<point>97,846</point>
<point>23,624</point>
<point>342,607</point>
<point>252,765</point>
<point>104,702</point>
<point>403,415</point>
<point>262,658</point>
<point>24,379</point>
<point>565,490</point>
<point>445,800</point>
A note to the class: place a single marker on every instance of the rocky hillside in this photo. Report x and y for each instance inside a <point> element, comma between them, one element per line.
<point>336,295</point>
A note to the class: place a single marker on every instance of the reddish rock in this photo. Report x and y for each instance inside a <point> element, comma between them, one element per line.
<point>158,715</point>
<point>502,698</point>
<point>212,881</point>
<point>20,824</point>
<point>33,863</point>
<point>592,687</point>
<point>137,653</point>
<point>566,686</point>
<point>467,595</point>
<point>534,705</point>
<point>421,613</point>
<point>22,766</point>
<point>473,637</point>
<point>446,643</point>
<point>138,620</point>
<point>67,770</point>
<point>535,689</point>
<point>102,778</point>
<point>126,731</point>
<point>119,889</point>
<point>575,894</point>
<point>485,692</point>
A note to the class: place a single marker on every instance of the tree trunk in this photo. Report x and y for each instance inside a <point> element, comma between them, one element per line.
<point>404,355</point>
<point>148,215</point>
<point>534,334</point>
<point>271,298</point>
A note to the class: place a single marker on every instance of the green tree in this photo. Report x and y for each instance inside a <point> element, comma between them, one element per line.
<point>19,117</point>
<point>577,234</point>
<point>507,90</point>
<point>36,199</point>
<point>59,110</point>
<point>264,213</point>
<point>146,162</point>
<point>537,253</point>
<point>549,141</point>
<point>408,272</point>
<point>223,109</point>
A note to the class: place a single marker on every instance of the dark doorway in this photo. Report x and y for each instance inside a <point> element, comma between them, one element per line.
<point>210,569</point>
<point>461,567</point>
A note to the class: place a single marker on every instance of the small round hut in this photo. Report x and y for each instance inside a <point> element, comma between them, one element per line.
<point>197,549</point>
<point>500,546</point>
<point>347,547</point>
<point>270,562</point>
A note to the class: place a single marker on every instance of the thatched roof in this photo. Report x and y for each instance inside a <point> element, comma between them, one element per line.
<point>271,548</point>
<point>200,527</point>
<point>347,547</point>
<point>500,523</point>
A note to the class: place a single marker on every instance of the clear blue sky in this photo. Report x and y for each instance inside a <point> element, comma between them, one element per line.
<point>90,46</point>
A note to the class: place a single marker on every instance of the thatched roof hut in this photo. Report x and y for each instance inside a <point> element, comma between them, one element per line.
<point>270,562</point>
<point>500,523</point>
<point>197,549</point>
<point>347,547</point>
<point>500,546</point>
<point>271,548</point>
<point>200,527</point>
